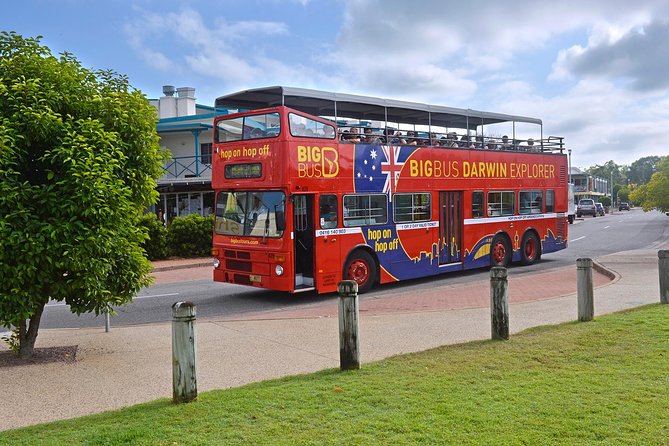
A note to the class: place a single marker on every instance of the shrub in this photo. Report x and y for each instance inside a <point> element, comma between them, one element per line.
<point>156,245</point>
<point>191,236</point>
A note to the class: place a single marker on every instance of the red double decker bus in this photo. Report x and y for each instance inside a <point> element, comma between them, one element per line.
<point>314,187</point>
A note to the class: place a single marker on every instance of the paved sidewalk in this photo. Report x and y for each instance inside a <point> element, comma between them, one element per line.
<point>132,364</point>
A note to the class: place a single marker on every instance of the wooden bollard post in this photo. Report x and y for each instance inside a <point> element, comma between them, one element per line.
<point>184,378</point>
<point>584,290</point>
<point>499,303</point>
<point>663,270</point>
<point>349,342</point>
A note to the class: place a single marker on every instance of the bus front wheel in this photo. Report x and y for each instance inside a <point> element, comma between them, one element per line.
<point>500,251</point>
<point>361,268</point>
<point>530,249</point>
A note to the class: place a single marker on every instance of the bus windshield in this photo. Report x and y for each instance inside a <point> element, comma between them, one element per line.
<point>250,213</point>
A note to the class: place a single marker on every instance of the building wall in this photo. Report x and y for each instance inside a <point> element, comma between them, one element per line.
<point>185,187</point>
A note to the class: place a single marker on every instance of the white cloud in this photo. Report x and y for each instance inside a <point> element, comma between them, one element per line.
<point>211,51</point>
<point>638,57</point>
<point>594,71</point>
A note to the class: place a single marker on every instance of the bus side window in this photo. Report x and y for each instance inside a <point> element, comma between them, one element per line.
<point>550,201</point>
<point>328,211</point>
<point>477,205</point>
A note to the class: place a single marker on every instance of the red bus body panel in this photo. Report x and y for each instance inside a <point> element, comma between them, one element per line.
<point>314,167</point>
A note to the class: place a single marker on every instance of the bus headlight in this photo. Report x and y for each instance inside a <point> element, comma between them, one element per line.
<point>278,269</point>
<point>217,263</point>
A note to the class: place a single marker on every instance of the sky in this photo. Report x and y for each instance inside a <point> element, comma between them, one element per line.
<point>596,72</point>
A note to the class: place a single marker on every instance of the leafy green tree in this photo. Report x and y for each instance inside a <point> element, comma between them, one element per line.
<point>609,169</point>
<point>655,194</point>
<point>623,193</point>
<point>642,169</point>
<point>639,195</point>
<point>79,156</point>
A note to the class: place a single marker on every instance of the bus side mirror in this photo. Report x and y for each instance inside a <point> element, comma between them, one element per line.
<point>280,220</point>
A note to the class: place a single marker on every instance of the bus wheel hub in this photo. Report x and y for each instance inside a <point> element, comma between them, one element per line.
<point>358,271</point>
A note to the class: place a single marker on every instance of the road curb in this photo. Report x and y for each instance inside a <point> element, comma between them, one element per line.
<point>601,269</point>
<point>173,267</point>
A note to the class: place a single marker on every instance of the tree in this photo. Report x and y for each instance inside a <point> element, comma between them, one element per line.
<point>623,193</point>
<point>610,167</point>
<point>655,194</point>
<point>642,169</point>
<point>79,156</point>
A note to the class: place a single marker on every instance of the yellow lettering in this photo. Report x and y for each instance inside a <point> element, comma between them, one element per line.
<point>301,154</point>
<point>413,168</point>
<point>330,162</point>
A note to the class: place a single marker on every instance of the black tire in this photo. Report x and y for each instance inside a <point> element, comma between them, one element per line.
<point>361,268</point>
<point>530,248</point>
<point>578,215</point>
<point>500,251</point>
<point>570,219</point>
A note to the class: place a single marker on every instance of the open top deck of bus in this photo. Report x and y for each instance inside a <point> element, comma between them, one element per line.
<point>323,103</point>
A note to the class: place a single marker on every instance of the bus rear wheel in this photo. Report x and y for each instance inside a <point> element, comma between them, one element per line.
<point>500,251</point>
<point>361,268</point>
<point>530,249</point>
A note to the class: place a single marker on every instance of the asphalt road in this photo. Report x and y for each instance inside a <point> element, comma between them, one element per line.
<point>588,237</point>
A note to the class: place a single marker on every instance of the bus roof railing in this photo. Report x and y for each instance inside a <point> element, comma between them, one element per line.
<point>323,103</point>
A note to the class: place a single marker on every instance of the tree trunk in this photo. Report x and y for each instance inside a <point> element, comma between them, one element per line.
<point>28,333</point>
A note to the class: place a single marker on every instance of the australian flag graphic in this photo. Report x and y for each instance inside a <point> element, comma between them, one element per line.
<point>377,167</point>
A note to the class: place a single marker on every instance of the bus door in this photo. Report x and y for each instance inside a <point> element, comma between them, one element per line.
<point>303,227</point>
<point>450,227</point>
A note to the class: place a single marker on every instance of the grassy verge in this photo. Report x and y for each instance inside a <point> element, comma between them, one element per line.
<point>602,382</point>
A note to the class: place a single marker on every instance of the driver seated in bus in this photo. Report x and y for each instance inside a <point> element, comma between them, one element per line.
<point>259,210</point>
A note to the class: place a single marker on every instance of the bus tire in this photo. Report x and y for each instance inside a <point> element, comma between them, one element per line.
<point>570,218</point>
<point>361,268</point>
<point>500,251</point>
<point>530,248</point>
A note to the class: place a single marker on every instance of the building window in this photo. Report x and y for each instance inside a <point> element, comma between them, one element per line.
<point>205,153</point>
<point>361,210</point>
<point>411,207</point>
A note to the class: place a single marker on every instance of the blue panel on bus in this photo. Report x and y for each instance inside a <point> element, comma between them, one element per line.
<point>377,167</point>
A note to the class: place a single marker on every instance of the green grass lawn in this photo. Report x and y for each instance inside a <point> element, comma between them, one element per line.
<point>601,382</point>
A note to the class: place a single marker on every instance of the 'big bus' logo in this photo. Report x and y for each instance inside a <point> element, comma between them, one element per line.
<point>317,162</point>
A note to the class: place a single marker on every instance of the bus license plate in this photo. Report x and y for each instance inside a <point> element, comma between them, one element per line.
<point>254,278</point>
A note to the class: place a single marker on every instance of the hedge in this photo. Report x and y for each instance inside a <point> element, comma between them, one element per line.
<point>189,236</point>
